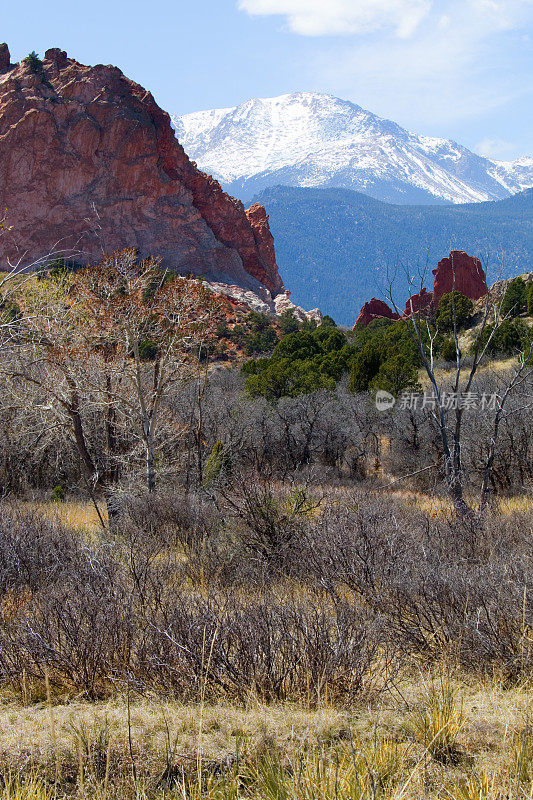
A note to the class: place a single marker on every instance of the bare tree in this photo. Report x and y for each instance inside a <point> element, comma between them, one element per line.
<point>104,346</point>
<point>424,331</point>
<point>151,325</point>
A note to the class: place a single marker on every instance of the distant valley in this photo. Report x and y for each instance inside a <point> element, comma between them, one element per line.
<point>335,246</point>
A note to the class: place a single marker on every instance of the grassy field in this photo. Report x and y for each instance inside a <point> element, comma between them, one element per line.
<point>412,732</point>
<point>83,517</point>
<point>433,737</point>
<point>77,515</point>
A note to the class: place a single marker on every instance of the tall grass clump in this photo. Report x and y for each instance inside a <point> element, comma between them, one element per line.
<point>436,721</point>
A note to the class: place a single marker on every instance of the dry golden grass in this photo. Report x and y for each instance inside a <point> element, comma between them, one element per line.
<point>279,751</point>
<point>446,375</point>
<point>443,736</point>
<point>83,518</point>
<point>442,506</point>
<point>80,516</point>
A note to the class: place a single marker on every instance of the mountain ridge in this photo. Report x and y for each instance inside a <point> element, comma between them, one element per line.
<point>336,248</point>
<point>314,140</point>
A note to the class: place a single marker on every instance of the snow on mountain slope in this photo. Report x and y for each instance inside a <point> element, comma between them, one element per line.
<point>513,173</point>
<point>312,140</point>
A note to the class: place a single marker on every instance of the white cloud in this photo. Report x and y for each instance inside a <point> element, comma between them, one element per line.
<point>431,65</point>
<point>343,17</point>
<point>501,14</point>
<point>495,148</point>
<point>465,61</point>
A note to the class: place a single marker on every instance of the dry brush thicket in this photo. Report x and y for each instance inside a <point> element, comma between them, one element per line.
<point>287,597</point>
<point>326,438</point>
<point>271,562</point>
<point>273,559</point>
<point>285,603</point>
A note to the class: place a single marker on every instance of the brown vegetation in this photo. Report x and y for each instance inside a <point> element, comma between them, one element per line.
<point>247,560</point>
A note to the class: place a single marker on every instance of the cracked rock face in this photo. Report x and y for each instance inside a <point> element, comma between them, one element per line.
<point>5,58</point>
<point>89,164</point>
<point>419,303</point>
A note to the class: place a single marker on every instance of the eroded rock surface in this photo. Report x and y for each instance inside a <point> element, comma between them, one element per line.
<point>459,272</point>
<point>89,164</point>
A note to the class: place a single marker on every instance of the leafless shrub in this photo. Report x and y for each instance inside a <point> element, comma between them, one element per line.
<point>283,598</point>
<point>273,648</point>
<point>444,587</point>
<point>80,637</point>
<point>168,517</point>
<point>34,551</point>
<point>269,519</point>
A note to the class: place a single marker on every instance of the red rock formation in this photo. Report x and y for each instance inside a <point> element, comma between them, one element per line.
<point>90,164</point>
<point>258,219</point>
<point>5,58</point>
<point>461,272</point>
<point>419,303</point>
<point>374,309</point>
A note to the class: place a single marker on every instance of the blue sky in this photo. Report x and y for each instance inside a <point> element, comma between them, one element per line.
<point>456,68</point>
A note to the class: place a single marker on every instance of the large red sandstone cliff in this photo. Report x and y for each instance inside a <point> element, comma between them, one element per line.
<point>89,164</point>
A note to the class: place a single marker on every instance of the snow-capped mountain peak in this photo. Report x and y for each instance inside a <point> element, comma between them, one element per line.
<point>309,139</point>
